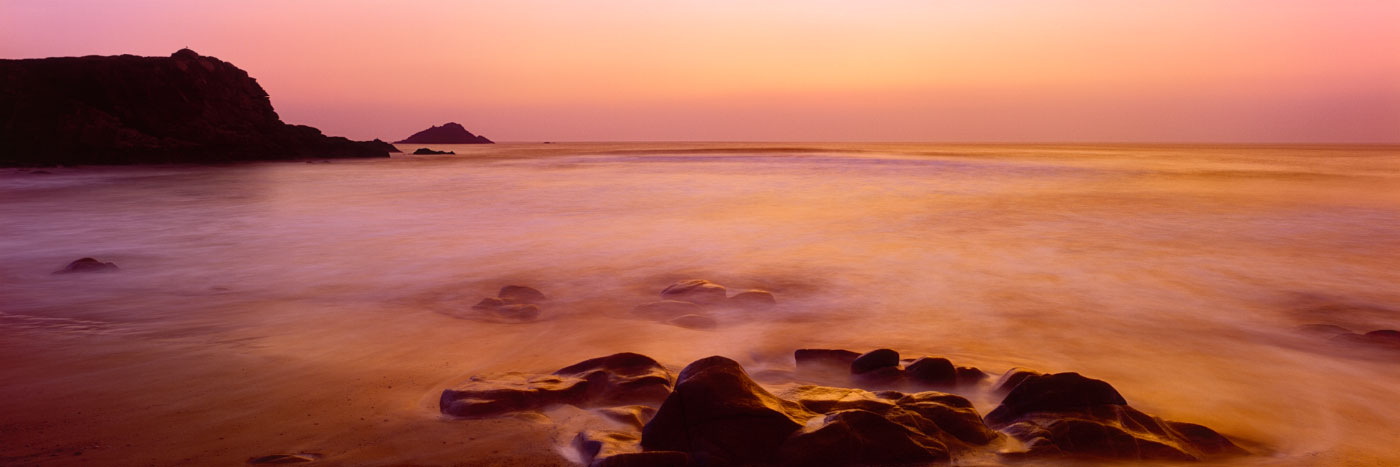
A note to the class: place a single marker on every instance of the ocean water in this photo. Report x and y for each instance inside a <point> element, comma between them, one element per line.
<point>1179,274</point>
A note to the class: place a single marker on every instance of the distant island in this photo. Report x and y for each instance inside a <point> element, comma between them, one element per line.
<point>448,133</point>
<point>185,108</point>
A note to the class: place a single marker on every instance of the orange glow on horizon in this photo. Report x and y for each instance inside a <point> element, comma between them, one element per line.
<point>781,70</point>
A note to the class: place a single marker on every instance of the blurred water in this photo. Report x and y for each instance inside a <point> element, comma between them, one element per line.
<point>1176,273</point>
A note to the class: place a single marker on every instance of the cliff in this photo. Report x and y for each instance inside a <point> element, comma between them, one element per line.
<point>448,133</point>
<point>185,108</point>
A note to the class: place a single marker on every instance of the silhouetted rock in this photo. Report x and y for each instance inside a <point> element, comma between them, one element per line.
<point>87,265</point>
<point>1068,414</point>
<point>875,360</point>
<point>519,311</point>
<point>426,151</point>
<point>933,372</point>
<point>859,437</point>
<point>1384,336</point>
<point>521,294</point>
<point>624,378</point>
<point>719,415</point>
<point>695,291</point>
<point>753,298</point>
<point>185,108</point>
<point>1053,393</point>
<point>448,133</point>
<point>823,359</point>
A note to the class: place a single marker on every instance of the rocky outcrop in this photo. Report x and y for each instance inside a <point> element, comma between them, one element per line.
<point>427,152</point>
<point>185,108</point>
<point>448,133</point>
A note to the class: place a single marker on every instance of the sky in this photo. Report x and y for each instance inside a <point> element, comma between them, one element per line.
<point>780,70</point>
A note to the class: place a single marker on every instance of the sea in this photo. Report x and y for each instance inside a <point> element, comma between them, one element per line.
<point>1184,275</point>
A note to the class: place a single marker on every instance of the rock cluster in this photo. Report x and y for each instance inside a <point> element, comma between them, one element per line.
<point>513,302</point>
<point>714,413</point>
<point>691,303</point>
<point>185,108</point>
<point>884,367</point>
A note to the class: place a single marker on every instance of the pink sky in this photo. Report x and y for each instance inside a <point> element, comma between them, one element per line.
<point>787,70</point>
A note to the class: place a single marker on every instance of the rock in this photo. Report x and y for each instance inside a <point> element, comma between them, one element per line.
<point>426,151</point>
<point>933,372</point>
<point>970,376</point>
<point>824,399</point>
<point>521,294</point>
<point>875,360</point>
<point>753,299</point>
<point>594,444</point>
<point>624,378</point>
<point>489,303</point>
<point>448,133</point>
<point>1384,336</point>
<point>1011,379</point>
<point>860,437</point>
<point>695,291</point>
<point>632,415</point>
<point>694,322</point>
<point>284,459</point>
<point>1066,414</point>
<point>952,414</point>
<point>822,359</point>
<point>87,265</point>
<point>646,459</point>
<point>519,312</point>
<point>185,108</point>
<point>1059,392</point>
<point>719,415</point>
<point>666,309</point>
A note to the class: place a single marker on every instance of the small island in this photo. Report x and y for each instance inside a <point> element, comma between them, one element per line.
<point>185,108</point>
<point>425,151</point>
<point>448,133</point>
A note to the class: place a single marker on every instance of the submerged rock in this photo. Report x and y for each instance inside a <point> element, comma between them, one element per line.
<point>666,309</point>
<point>519,312</point>
<point>277,459</point>
<point>624,378</point>
<point>753,299</point>
<point>520,294</point>
<point>87,265</point>
<point>719,415</point>
<point>695,291</point>
<point>489,303</point>
<point>1011,379</point>
<point>694,322</point>
<point>823,359</point>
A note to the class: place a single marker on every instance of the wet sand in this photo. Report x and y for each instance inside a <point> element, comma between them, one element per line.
<point>321,308</point>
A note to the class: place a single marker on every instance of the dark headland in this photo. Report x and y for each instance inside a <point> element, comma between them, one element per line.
<point>448,133</point>
<point>185,108</point>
